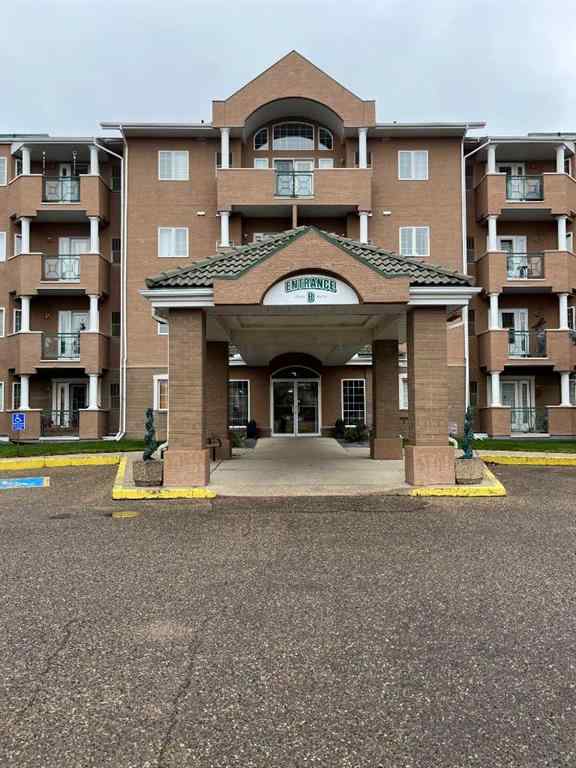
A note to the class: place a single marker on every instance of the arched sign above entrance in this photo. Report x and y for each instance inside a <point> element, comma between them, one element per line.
<point>310,290</point>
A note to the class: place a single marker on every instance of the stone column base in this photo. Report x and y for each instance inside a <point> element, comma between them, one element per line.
<point>386,448</point>
<point>561,420</point>
<point>92,424</point>
<point>186,468</point>
<point>429,464</point>
<point>225,451</point>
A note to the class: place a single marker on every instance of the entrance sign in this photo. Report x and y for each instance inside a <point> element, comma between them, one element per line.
<point>18,422</point>
<point>311,290</point>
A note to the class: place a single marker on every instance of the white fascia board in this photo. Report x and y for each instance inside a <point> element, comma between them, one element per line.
<point>436,297</point>
<point>167,298</point>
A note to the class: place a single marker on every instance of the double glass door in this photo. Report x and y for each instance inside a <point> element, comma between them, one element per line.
<point>295,408</point>
<point>517,395</point>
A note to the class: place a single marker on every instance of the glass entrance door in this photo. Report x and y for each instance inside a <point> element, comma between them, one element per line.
<point>295,408</point>
<point>283,407</point>
<point>307,412</point>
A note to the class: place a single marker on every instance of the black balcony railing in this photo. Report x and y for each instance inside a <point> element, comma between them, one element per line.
<point>61,268</point>
<point>60,346</point>
<point>525,266</point>
<point>526,343</point>
<point>60,423</point>
<point>294,183</point>
<point>524,188</point>
<point>529,420</point>
<point>61,189</point>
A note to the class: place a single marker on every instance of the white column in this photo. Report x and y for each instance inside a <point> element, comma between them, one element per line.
<point>25,314</point>
<point>224,147</point>
<point>25,161</point>
<point>563,307</point>
<point>495,400</point>
<point>94,326</point>
<point>24,392</point>
<point>493,317</point>
<point>25,234</point>
<point>491,164</point>
<point>565,389</point>
<point>94,161</point>
<point>94,234</point>
<point>363,226</point>
<point>492,233</point>
<point>362,147</point>
<point>561,224</point>
<point>560,159</point>
<point>225,229</point>
<point>93,392</point>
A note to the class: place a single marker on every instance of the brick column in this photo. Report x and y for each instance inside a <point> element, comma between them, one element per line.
<point>429,457</point>
<point>217,405</point>
<point>187,461</point>
<point>386,442</point>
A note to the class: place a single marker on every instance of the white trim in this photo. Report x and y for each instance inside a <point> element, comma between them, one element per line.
<point>2,394</point>
<point>412,152</point>
<point>402,377</point>
<point>173,152</point>
<point>156,379</point>
<point>235,426</point>
<point>2,322</point>
<point>457,296</point>
<point>3,173</point>
<point>3,246</point>
<point>363,380</point>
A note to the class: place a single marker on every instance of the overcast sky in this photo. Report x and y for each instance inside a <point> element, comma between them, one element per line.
<point>64,65</point>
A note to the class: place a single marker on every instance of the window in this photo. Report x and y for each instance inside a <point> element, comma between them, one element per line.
<point>573,389</point>
<point>17,245</point>
<point>172,242</point>
<point>116,183</point>
<point>219,160</point>
<point>413,165</point>
<point>2,246</point>
<point>473,394</point>
<point>471,323</point>
<point>325,140</point>
<point>16,395</point>
<point>325,162</point>
<point>116,249</point>
<point>261,162</point>
<point>403,391</point>
<point>173,166</point>
<point>570,241</point>
<point>572,318</point>
<point>115,324</point>
<point>353,402</point>
<point>357,159</point>
<point>115,396</point>
<point>17,321</point>
<point>161,393</point>
<point>415,241</point>
<point>238,403</point>
<point>258,237</point>
<point>1,395</point>
<point>261,139</point>
<point>162,328</point>
<point>470,250</point>
<point>568,165</point>
<point>2,321</point>
<point>17,166</point>
<point>293,136</point>
<point>3,171</point>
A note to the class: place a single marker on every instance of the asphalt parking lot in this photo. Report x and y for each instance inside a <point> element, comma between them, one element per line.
<point>393,632</point>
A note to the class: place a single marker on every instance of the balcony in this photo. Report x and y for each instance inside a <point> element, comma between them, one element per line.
<point>526,344</point>
<point>35,350</point>
<point>533,270</point>
<point>29,274</point>
<point>342,188</point>
<point>529,420</point>
<point>73,197</point>
<point>502,195</point>
<point>507,348</point>
<point>61,346</point>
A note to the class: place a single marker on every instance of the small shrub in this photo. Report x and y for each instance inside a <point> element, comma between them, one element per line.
<point>339,429</point>
<point>237,439</point>
<point>357,434</point>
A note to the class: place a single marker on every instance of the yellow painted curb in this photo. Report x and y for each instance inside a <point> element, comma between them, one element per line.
<point>531,461</point>
<point>465,491</point>
<point>40,462</point>
<point>120,491</point>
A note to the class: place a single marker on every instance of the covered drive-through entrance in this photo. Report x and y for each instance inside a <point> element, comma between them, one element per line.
<point>310,293</point>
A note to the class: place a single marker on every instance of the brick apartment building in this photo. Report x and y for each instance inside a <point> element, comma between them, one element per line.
<point>292,261</point>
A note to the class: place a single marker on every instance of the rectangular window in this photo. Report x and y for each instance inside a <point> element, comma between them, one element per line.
<point>2,246</point>
<point>115,324</point>
<point>116,180</point>
<point>2,321</point>
<point>415,241</point>
<point>353,402</point>
<point>17,245</point>
<point>471,323</point>
<point>17,321</point>
<point>17,167</point>
<point>219,159</point>
<point>572,318</point>
<point>116,249</point>
<point>325,163</point>
<point>261,163</point>
<point>238,403</point>
<point>1,395</point>
<point>161,393</point>
<point>473,394</point>
<point>413,165</point>
<point>172,242</point>
<point>573,389</point>
<point>162,329</point>
<point>173,165</point>
<point>15,395</point>
<point>115,396</point>
<point>3,171</point>
<point>258,237</point>
<point>403,391</point>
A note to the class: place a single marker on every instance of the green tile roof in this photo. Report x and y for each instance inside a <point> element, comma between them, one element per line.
<point>238,260</point>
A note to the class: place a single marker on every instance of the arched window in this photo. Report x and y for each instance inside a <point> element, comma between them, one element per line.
<point>295,136</point>
<point>325,139</point>
<point>261,139</point>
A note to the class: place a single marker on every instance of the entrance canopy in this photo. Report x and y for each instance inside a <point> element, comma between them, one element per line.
<point>306,290</point>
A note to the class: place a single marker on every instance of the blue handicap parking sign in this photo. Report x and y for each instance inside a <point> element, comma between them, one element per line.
<point>18,422</point>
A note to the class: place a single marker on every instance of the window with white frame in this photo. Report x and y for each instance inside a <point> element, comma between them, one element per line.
<point>172,242</point>
<point>413,165</point>
<point>572,317</point>
<point>3,171</point>
<point>325,139</point>
<point>415,241</point>
<point>16,395</point>
<point>238,403</point>
<point>403,391</point>
<point>173,165</point>
<point>261,163</point>
<point>261,139</point>
<point>17,321</point>
<point>573,388</point>
<point>2,246</point>
<point>2,387</point>
<point>2,321</point>
<point>258,237</point>
<point>293,136</point>
<point>17,245</point>
<point>162,328</point>
<point>353,402</point>
<point>161,393</point>
<point>325,162</point>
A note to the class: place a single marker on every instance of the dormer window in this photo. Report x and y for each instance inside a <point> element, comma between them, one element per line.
<point>293,136</point>
<point>325,139</point>
<point>261,139</point>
